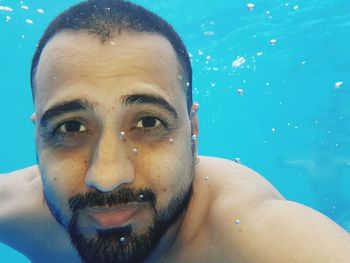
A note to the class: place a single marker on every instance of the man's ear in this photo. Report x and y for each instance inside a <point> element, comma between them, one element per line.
<point>33,117</point>
<point>194,124</point>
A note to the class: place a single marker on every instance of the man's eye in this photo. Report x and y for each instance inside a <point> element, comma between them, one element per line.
<point>71,127</point>
<point>148,122</point>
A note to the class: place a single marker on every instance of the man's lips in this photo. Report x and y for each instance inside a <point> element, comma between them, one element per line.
<point>106,218</point>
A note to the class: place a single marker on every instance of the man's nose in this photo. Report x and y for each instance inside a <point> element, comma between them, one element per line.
<point>110,166</point>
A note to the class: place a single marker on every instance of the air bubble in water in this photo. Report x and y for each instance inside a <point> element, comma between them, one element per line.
<point>238,62</point>
<point>209,33</point>
<point>240,92</point>
<point>250,7</point>
<point>29,21</point>
<point>40,11</point>
<point>338,84</point>
<point>273,42</point>
<point>237,160</point>
<point>5,8</point>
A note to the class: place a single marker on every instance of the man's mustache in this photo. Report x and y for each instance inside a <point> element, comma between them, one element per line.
<point>111,199</point>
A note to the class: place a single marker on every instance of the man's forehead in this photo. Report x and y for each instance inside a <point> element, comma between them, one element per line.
<point>80,45</point>
<point>73,55</point>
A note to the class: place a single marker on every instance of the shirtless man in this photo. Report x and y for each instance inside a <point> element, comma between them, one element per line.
<point>118,177</point>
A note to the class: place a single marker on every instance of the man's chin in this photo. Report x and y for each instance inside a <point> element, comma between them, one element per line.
<point>118,244</point>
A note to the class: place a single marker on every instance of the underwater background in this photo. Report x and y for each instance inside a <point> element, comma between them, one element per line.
<point>272,78</point>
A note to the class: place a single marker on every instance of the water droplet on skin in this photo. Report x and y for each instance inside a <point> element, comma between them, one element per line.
<point>237,222</point>
<point>135,151</point>
<point>195,107</point>
<point>141,197</point>
<point>122,135</point>
<point>250,7</point>
<point>240,92</point>
<point>112,43</point>
<point>187,84</point>
<point>171,140</point>
<point>194,138</point>
<point>206,178</point>
<point>122,240</point>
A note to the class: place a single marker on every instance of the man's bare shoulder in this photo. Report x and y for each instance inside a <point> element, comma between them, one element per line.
<point>249,221</point>
<point>230,180</point>
<point>25,220</point>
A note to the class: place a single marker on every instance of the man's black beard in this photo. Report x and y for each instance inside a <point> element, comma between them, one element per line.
<point>106,246</point>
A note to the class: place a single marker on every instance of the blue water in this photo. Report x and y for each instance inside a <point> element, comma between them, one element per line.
<point>292,124</point>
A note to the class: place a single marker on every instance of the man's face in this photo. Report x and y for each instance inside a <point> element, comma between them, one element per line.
<point>113,138</point>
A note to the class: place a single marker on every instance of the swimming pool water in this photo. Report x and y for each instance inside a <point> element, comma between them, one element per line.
<point>273,84</point>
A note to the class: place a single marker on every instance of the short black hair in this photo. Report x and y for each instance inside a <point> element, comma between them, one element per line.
<point>104,18</point>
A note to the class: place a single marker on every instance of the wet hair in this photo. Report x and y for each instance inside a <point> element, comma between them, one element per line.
<point>103,19</point>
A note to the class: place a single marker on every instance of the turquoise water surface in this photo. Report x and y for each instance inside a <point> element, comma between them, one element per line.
<point>273,84</point>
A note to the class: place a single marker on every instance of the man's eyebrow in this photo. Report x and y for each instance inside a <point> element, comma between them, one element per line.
<point>64,107</point>
<point>153,100</point>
